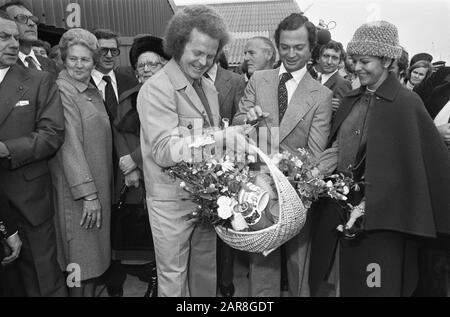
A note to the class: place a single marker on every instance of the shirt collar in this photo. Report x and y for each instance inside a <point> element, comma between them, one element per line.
<point>22,57</point>
<point>98,77</point>
<point>3,72</point>
<point>325,77</point>
<point>212,72</point>
<point>297,76</point>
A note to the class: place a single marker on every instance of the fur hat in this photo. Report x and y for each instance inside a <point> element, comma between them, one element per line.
<point>378,38</point>
<point>146,43</point>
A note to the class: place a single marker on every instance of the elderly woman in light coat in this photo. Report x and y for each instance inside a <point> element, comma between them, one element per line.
<point>82,169</point>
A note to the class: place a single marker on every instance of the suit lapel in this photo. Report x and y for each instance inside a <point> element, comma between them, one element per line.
<point>13,87</point>
<point>299,105</point>
<point>331,81</point>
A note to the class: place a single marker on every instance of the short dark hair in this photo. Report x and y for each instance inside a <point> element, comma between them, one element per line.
<point>16,3</point>
<point>106,34</point>
<point>333,45</point>
<point>43,44</point>
<point>203,18</point>
<point>294,22</point>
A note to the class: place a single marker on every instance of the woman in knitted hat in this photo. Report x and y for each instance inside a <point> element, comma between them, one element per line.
<point>146,57</point>
<point>383,136</point>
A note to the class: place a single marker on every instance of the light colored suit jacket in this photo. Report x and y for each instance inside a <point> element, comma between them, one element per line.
<point>171,114</point>
<point>306,123</point>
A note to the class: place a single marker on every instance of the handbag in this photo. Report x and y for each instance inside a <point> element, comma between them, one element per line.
<point>130,226</point>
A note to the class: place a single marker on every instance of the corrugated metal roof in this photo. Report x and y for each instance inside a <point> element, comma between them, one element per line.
<point>128,17</point>
<point>249,19</point>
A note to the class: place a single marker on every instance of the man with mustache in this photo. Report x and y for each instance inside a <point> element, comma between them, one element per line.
<point>28,30</point>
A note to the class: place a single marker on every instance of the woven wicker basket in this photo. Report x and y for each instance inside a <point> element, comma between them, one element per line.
<point>291,220</point>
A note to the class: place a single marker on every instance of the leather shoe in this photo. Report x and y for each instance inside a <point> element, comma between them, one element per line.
<point>227,291</point>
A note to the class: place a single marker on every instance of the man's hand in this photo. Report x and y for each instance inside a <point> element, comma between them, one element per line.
<point>132,178</point>
<point>444,131</point>
<point>127,164</point>
<point>255,113</point>
<point>4,152</point>
<point>335,103</point>
<point>15,245</point>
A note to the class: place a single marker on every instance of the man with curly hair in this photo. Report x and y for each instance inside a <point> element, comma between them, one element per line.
<point>172,104</point>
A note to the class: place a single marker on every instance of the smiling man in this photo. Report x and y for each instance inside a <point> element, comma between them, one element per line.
<point>28,34</point>
<point>297,109</point>
<point>173,103</point>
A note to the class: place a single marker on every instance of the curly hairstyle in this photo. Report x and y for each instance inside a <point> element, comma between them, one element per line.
<point>203,18</point>
<point>335,46</point>
<point>82,37</point>
<point>294,22</point>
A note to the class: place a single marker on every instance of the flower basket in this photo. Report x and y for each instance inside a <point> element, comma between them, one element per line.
<point>291,219</point>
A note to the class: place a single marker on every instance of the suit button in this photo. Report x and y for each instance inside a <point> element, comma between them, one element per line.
<point>377,98</point>
<point>20,88</point>
<point>189,126</point>
<point>357,132</point>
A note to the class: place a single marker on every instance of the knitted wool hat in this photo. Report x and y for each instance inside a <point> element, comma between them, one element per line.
<point>378,38</point>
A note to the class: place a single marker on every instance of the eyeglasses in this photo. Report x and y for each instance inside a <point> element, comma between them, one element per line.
<point>151,65</point>
<point>114,51</point>
<point>22,18</point>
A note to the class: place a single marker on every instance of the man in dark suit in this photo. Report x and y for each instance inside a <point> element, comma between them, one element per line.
<point>27,25</point>
<point>230,87</point>
<point>111,84</point>
<point>31,131</point>
<point>330,56</point>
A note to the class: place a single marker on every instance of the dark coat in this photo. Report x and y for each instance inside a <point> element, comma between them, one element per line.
<point>230,87</point>
<point>47,65</point>
<point>127,137</point>
<point>435,91</point>
<point>338,85</point>
<point>407,174</point>
<point>405,156</point>
<point>32,127</point>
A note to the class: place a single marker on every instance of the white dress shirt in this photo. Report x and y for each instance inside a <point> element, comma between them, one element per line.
<point>292,84</point>
<point>101,84</point>
<point>3,72</point>
<point>22,57</point>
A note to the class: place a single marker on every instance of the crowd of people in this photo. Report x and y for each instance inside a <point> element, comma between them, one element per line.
<point>75,129</point>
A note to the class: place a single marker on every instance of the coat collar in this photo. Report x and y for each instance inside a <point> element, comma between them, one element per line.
<point>184,86</point>
<point>16,83</point>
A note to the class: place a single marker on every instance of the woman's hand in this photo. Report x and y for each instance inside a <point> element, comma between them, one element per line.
<point>132,179</point>
<point>126,164</point>
<point>92,214</point>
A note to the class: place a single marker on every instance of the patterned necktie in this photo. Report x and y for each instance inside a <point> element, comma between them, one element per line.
<point>197,84</point>
<point>31,63</point>
<point>283,95</point>
<point>110,98</point>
